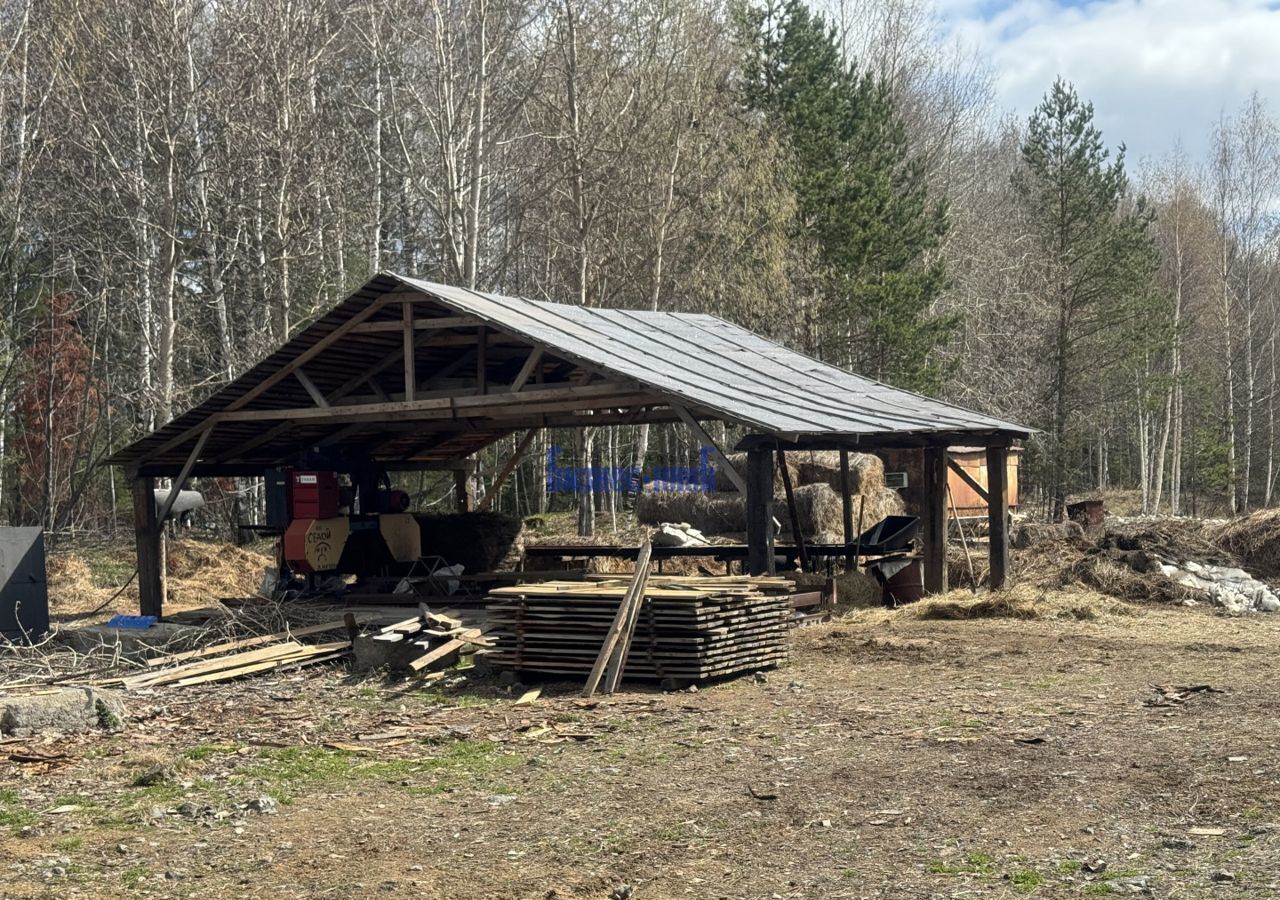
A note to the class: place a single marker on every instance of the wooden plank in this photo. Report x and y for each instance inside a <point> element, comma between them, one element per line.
<point>199,667</point>
<point>304,357</point>
<point>619,661</point>
<point>482,372</point>
<point>620,620</point>
<point>507,469</point>
<point>730,471</point>
<point>444,650</point>
<point>246,643</point>
<point>424,324</point>
<point>526,371</point>
<point>318,653</point>
<point>177,483</point>
<point>935,519</point>
<point>998,514</point>
<point>968,479</point>
<point>317,396</point>
<point>410,358</point>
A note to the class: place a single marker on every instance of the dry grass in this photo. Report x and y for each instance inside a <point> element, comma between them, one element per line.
<point>1022,601</point>
<point>1255,539</point>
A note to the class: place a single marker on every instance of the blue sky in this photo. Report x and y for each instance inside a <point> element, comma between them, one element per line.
<point>1158,71</point>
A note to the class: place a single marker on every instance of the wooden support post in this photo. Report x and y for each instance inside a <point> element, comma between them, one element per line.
<point>998,513</point>
<point>846,509</point>
<point>792,512</point>
<point>491,495</point>
<point>410,354</point>
<point>482,374</point>
<point>147,537</point>
<point>759,509</point>
<point>464,494</point>
<point>935,520</point>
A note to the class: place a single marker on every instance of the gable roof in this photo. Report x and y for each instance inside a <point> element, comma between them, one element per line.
<point>713,368</point>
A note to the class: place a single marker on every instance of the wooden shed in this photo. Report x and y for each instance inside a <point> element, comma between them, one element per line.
<point>416,375</point>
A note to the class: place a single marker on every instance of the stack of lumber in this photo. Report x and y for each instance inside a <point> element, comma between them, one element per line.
<point>235,659</point>
<point>688,628</point>
<point>441,636</point>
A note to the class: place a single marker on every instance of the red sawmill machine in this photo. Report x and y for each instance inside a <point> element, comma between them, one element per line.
<point>331,526</point>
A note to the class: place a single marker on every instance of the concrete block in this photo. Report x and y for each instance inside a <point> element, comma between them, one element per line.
<point>60,711</point>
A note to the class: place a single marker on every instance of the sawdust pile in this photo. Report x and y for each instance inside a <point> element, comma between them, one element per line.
<point>200,573</point>
<point>1255,539</point>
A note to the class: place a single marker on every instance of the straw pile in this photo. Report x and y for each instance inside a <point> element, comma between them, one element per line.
<point>1255,539</point>
<point>739,461</point>
<point>818,506</point>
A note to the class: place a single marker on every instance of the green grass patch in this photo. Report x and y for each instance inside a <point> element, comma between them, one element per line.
<point>1026,880</point>
<point>135,875</point>
<point>1068,867</point>
<point>972,864</point>
<point>108,568</point>
<point>68,844</point>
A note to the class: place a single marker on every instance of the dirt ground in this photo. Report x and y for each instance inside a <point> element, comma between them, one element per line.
<point>894,756</point>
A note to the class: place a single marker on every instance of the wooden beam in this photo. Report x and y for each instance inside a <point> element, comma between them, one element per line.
<point>314,392</point>
<point>464,495</point>
<point>607,394</point>
<point>183,476</point>
<point>759,512</point>
<point>792,512</point>
<point>410,358</point>
<point>526,371</point>
<point>846,513</point>
<point>418,324</point>
<point>506,470</point>
<point>304,357</point>
<point>935,519</point>
<point>998,514</point>
<point>146,532</point>
<point>701,433</point>
<point>482,378</point>
<point>967,478</point>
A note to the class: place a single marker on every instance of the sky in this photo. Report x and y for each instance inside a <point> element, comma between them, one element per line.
<point>1158,72</point>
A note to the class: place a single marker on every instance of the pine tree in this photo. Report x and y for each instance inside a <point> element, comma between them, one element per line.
<point>1096,269</point>
<point>862,202</point>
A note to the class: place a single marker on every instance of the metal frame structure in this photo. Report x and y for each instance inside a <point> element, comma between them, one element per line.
<point>418,375</point>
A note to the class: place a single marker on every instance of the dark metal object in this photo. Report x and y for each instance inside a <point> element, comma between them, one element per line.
<point>892,534</point>
<point>24,594</point>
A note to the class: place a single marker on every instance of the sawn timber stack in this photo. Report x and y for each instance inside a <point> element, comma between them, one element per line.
<point>689,628</point>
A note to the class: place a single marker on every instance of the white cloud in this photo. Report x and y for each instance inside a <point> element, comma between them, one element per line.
<point>1157,71</point>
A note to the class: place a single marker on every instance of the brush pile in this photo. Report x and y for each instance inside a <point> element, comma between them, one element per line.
<point>688,628</point>
<point>1254,539</point>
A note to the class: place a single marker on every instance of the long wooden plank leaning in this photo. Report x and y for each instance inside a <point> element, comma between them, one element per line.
<point>620,620</point>
<point>619,660</point>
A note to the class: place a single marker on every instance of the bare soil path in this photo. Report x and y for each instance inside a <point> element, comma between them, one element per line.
<point>894,757</point>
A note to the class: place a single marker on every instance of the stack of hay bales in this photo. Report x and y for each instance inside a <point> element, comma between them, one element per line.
<point>815,477</point>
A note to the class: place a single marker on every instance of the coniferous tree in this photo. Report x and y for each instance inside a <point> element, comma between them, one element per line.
<point>862,202</point>
<point>1095,272</point>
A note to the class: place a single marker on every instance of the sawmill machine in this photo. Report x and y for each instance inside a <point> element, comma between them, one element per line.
<point>341,516</point>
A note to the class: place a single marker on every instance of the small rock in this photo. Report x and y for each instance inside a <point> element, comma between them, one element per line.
<point>1223,877</point>
<point>762,678</point>
<point>693,689</point>
<point>1178,844</point>
<point>1137,884</point>
<point>622,892</point>
<point>263,805</point>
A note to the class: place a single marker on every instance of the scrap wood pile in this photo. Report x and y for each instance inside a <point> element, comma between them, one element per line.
<point>236,659</point>
<point>440,636</point>
<point>681,627</point>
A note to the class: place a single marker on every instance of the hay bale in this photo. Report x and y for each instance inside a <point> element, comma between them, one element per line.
<point>866,471</point>
<point>817,506</point>
<point>709,513</point>
<point>1255,539</point>
<point>739,461</point>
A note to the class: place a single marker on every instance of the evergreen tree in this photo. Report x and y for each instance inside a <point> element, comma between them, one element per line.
<point>1095,271</point>
<point>862,203</point>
